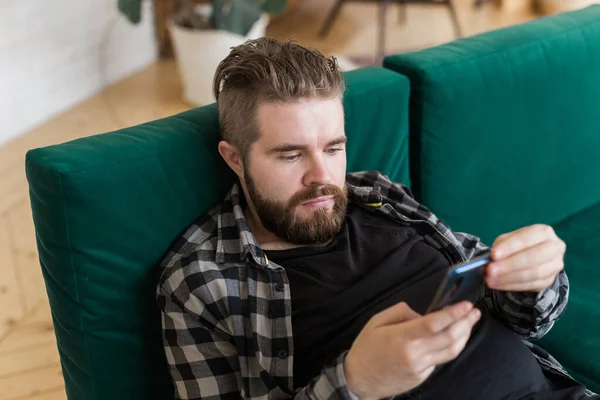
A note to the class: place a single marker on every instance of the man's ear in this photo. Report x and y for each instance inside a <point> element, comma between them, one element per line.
<point>232,157</point>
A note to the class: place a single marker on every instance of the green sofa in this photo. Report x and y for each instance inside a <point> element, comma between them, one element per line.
<point>505,132</point>
<point>492,132</point>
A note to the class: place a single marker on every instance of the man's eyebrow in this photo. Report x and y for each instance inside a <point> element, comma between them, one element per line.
<point>282,148</point>
<point>340,140</point>
<point>285,147</point>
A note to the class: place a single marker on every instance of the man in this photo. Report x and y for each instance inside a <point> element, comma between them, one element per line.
<point>308,282</point>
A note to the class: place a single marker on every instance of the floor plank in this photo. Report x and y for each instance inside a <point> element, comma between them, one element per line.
<point>34,331</point>
<point>41,313</point>
<point>25,256</point>
<point>31,383</point>
<point>30,359</point>
<point>11,300</point>
<point>32,280</point>
<point>21,224</point>
<point>58,394</point>
<point>34,335</point>
<point>13,189</point>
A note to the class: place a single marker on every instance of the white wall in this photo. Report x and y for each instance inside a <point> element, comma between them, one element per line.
<point>54,54</point>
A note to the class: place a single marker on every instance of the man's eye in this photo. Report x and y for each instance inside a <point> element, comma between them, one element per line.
<point>290,158</point>
<point>335,150</point>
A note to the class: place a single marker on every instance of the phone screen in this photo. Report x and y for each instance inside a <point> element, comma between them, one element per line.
<point>463,282</point>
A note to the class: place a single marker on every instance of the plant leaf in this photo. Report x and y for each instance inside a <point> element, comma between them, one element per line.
<point>273,6</point>
<point>131,9</point>
<point>237,16</point>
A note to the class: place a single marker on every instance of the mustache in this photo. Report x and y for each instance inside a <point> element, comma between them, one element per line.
<point>313,192</point>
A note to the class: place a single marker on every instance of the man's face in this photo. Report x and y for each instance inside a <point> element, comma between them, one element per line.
<point>295,173</point>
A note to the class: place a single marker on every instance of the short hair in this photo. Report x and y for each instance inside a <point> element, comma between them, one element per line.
<point>268,70</point>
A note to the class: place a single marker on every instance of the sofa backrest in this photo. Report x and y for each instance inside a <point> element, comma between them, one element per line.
<point>504,126</point>
<point>107,207</point>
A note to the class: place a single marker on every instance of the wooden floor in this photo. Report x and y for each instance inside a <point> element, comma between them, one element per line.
<point>29,362</point>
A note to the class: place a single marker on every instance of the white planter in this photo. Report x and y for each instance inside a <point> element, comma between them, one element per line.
<point>199,52</point>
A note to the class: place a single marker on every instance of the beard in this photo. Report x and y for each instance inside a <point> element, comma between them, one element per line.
<point>281,219</point>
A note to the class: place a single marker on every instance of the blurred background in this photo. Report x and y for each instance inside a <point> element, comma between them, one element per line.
<point>73,68</point>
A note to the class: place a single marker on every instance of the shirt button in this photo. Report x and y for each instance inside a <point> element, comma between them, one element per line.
<point>282,353</point>
<point>280,287</point>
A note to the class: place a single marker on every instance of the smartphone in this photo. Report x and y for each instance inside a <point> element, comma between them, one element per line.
<point>463,282</point>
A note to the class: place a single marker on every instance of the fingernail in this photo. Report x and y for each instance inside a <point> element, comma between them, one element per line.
<point>476,313</point>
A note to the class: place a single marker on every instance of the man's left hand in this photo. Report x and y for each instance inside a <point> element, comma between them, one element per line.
<point>528,259</point>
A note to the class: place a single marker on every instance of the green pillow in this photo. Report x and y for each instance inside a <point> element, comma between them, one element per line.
<point>504,132</point>
<point>107,207</point>
<point>504,125</point>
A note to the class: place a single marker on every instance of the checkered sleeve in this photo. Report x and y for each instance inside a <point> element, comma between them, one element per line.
<point>531,315</point>
<point>202,359</point>
<point>329,385</point>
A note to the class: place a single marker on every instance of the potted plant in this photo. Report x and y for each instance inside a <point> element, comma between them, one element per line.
<point>203,32</point>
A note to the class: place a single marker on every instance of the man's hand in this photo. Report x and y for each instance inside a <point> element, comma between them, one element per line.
<point>398,349</point>
<point>528,259</point>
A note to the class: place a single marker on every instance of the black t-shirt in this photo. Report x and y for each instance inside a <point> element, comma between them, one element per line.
<point>372,264</point>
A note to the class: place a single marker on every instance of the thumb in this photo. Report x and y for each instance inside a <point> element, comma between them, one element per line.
<point>395,314</point>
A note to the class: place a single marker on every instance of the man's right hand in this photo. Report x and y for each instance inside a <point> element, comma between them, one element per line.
<point>398,348</point>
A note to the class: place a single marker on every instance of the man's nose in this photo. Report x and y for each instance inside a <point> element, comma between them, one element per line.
<point>319,173</point>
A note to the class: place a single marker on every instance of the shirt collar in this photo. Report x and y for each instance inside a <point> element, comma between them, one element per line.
<point>234,249</point>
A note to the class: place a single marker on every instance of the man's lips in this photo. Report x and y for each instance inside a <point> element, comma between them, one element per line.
<point>318,202</point>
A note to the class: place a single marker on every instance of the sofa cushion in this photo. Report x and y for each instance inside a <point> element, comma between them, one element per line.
<point>504,125</point>
<point>504,132</point>
<point>575,339</point>
<point>107,207</point>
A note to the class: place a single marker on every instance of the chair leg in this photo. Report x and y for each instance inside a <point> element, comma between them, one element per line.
<point>402,11</point>
<point>331,18</point>
<point>454,16</point>
<point>383,5</point>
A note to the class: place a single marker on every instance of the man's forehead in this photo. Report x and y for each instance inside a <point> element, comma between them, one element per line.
<point>302,121</point>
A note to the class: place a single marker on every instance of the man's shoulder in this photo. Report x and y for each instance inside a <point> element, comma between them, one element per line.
<point>196,245</point>
<point>198,232</point>
<point>365,178</point>
<point>376,180</point>
<point>193,272</point>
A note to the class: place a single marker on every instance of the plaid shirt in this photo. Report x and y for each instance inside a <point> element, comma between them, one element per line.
<point>226,309</point>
